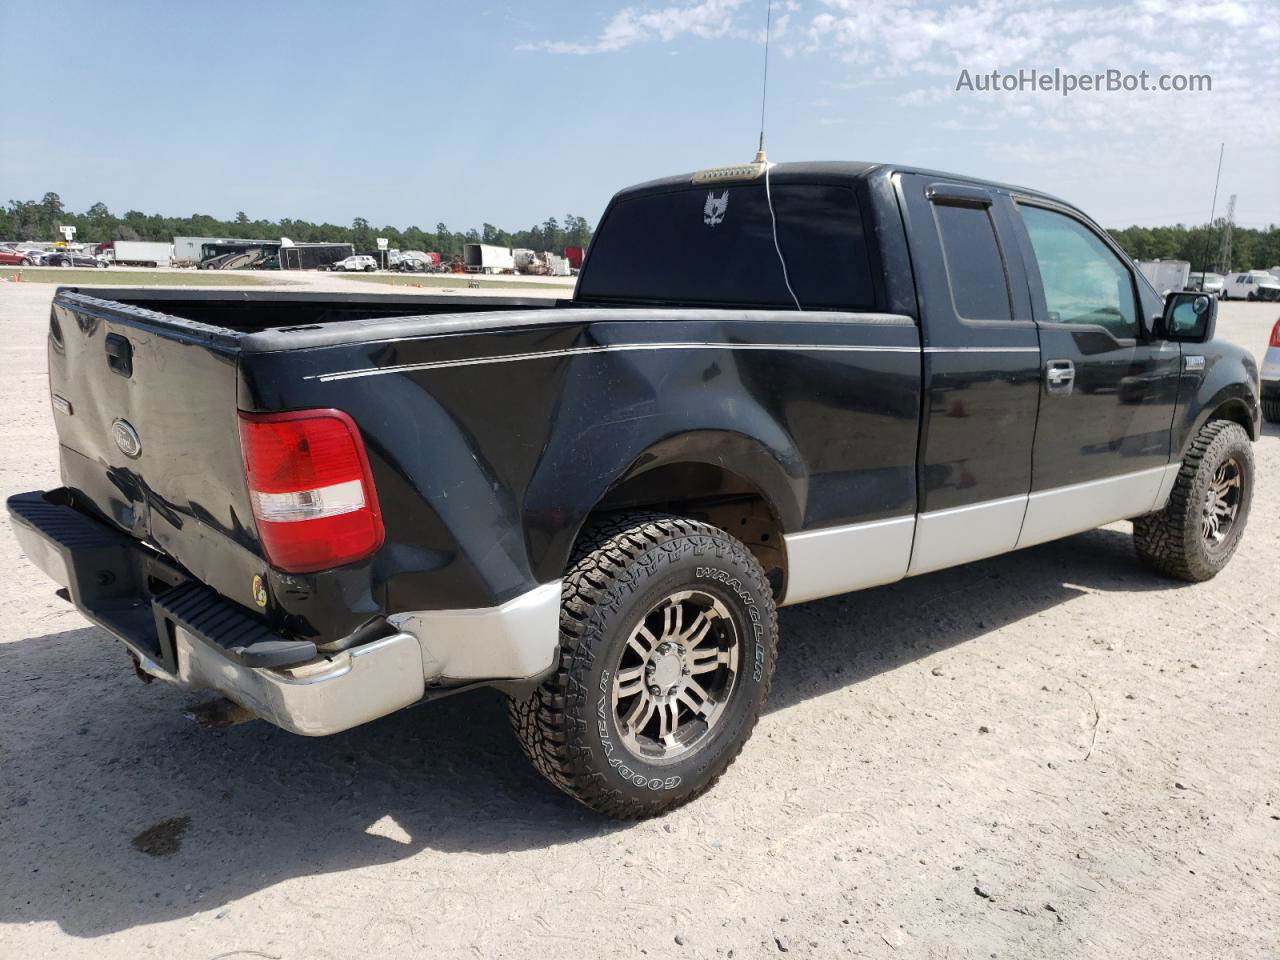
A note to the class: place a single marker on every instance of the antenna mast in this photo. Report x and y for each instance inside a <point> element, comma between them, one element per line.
<point>1224,254</point>
<point>764,86</point>
<point>1213,208</point>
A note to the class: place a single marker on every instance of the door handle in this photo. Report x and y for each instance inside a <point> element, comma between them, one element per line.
<point>1059,376</point>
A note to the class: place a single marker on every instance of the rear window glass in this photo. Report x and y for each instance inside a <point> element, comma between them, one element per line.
<point>975,269</point>
<point>715,245</point>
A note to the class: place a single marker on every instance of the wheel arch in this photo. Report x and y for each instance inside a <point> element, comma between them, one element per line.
<point>1226,406</point>
<point>1228,392</point>
<point>729,480</point>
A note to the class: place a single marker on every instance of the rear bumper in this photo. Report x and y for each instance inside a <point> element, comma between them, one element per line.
<point>182,632</point>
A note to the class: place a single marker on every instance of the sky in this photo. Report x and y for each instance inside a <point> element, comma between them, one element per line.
<point>469,111</point>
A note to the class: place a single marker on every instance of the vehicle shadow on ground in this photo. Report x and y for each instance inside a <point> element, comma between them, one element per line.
<point>92,758</point>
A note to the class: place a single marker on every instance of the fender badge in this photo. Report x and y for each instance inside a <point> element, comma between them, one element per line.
<point>126,438</point>
<point>1193,363</point>
<point>259,587</point>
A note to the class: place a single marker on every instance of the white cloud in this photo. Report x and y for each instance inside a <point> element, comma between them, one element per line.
<point>708,19</point>
<point>921,47</point>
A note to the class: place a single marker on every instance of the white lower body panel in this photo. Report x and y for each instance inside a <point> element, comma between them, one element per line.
<point>945,538</point>
<point>517,640</point>
<point>823,563</point>
<point>1083,506</point>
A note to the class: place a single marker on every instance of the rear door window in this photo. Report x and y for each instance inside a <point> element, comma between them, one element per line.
<point>715,245</point>
<point>975,267</point>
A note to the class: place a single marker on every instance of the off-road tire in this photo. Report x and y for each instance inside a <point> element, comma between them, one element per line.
<point>622,564</point>
<point>1170,541</point>
<point>1271,411</point>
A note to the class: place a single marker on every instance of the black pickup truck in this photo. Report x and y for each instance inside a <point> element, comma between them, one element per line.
<point>770,386</point>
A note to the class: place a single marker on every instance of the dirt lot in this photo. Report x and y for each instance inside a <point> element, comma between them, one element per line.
<point>1051,754</point>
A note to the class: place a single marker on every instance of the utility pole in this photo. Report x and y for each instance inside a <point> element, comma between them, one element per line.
<point>1224,253</point>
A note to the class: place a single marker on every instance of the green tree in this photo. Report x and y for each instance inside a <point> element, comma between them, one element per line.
<point>40,219</point>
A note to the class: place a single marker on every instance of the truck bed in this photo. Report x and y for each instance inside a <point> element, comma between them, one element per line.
<point>486,420</point>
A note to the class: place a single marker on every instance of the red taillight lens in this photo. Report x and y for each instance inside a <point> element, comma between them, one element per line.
<point>1275,335</point>
<point>311,489</point>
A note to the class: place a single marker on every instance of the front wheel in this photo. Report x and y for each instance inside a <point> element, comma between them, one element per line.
<point>668,636</point>
<point>1196,533</point>
<point>1271,410</point>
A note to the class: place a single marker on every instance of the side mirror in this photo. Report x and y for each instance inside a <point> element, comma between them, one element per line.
<point>1189,317</point>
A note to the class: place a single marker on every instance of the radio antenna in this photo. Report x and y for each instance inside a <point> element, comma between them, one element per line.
<point>1213,208</point>
<point>764,86</point>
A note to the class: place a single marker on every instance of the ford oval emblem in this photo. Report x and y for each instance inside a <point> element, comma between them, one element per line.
<point>126,438</point>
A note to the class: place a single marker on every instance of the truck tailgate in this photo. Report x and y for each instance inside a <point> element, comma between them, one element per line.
<point>145,408</point>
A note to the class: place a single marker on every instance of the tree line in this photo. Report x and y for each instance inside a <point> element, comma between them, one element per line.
<point>1251,249</point>
<point>40,219</point>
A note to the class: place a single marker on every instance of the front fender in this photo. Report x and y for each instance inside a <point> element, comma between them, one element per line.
<point>1227,388</point>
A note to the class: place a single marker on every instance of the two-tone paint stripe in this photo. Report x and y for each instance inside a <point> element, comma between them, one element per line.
<point>633,347</point>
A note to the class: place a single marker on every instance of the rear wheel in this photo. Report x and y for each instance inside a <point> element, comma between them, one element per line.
<point>1271,410</point>
<point>1197,532</point>
<point>668,637</point>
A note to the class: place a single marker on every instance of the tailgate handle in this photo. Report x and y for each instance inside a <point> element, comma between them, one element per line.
<point>119,355</point>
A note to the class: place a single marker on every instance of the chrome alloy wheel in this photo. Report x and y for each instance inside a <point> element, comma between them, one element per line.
<point>1222,502</point>
<point>675,676</point>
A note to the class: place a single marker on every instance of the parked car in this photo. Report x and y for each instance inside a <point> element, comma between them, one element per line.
<point>16,258</point>
<point>595,505</point>
<point>74,260</point>
<point>1253,285</point>
<point>352,264</point>
<point>413,261</point>
<point>1271,377</point>
<point>1207,282</point>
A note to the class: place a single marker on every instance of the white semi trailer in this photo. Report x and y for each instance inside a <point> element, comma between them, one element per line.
<point>1166,275</point>
<point>187,250</point>
<point>486,258</point>
<point>141,253</point>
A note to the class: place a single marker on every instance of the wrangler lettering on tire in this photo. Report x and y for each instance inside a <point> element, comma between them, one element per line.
<point>668,636</point>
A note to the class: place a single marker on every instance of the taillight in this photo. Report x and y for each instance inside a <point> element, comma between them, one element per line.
<point>311,489</point>
<point>1275,335</point>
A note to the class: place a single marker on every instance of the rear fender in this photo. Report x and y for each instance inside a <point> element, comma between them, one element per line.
<point>772,467</point>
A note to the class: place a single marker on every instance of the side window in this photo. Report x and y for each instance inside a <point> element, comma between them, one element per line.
<point>975,268</point>
<point>1084,282</point>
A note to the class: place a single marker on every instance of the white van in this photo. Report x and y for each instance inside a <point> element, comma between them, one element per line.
<point>1253,285</point>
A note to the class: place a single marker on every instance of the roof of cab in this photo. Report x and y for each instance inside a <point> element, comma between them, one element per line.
<point>833,169</point>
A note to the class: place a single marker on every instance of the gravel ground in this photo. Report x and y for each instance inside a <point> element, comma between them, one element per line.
<point>1050,754</point>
